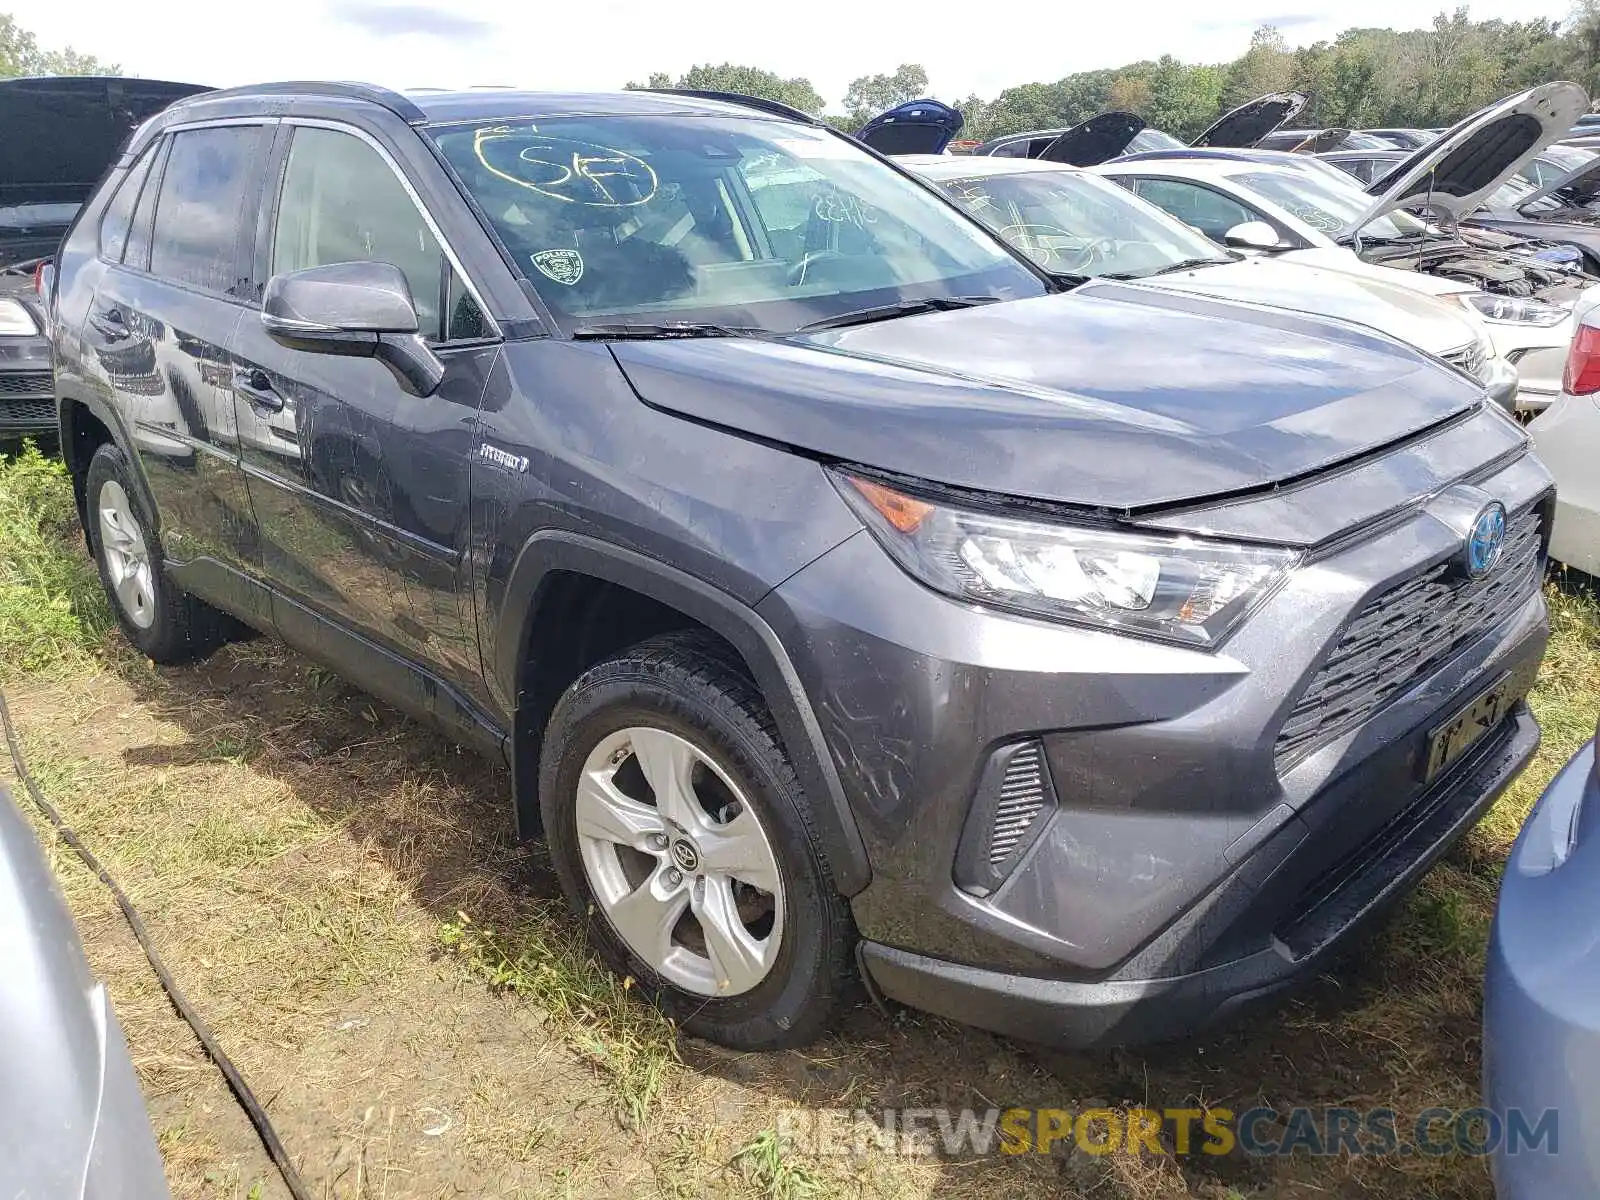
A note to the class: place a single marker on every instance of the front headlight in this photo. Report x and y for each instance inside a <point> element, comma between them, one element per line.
<point>15,320</point>
<point>1515,310</point>
<point>1178,589</point>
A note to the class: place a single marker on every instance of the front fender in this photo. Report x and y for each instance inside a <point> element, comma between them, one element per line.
<point>553,550</point>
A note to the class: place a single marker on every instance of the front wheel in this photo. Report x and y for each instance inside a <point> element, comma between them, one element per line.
<point>674,817</point>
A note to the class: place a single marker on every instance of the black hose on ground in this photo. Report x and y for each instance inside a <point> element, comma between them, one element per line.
<point>241,1090</point>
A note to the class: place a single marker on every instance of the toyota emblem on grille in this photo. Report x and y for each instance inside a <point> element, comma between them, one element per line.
<point>1487,539</point>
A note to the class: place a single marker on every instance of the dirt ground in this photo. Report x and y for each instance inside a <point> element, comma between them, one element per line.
<point>339,892</point>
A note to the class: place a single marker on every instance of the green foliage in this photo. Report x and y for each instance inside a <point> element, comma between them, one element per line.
<point>20,55</point>
<point>52,609</point>
<point>872,94</point>
<point>748,81</point>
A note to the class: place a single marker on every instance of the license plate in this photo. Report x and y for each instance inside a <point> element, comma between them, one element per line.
<point>1460,733</point>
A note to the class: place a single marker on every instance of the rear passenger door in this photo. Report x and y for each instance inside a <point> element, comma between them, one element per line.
<point>177,238</point>
<point>360,488</point>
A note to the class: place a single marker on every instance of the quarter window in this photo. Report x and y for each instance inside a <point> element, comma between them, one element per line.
<point>206,194</point>
<point>137,252</point>
<point>119,213</point>
<point>341,202</point>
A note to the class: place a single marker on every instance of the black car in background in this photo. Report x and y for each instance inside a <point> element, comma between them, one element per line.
<point>58,135</point>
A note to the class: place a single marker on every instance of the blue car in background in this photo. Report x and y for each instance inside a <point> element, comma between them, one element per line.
<point>1541,1004</point>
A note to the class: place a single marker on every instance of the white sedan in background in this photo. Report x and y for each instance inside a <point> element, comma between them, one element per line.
<point>1298,209</point>
<point>1567,437</point>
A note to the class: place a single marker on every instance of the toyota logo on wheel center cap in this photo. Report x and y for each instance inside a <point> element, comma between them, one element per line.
<point>686,856</point>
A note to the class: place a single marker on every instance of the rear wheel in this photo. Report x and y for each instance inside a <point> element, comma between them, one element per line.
<point>675,819</point>
<point>164,622</point>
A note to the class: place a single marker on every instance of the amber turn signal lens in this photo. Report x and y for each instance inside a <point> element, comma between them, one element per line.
<point>903,512</point>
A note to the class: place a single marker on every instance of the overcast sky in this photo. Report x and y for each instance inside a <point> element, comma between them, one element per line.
<point>601,44</point>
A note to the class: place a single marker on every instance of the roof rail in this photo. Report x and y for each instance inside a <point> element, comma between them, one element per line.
<point>776,107</point>
<point>403,108</point>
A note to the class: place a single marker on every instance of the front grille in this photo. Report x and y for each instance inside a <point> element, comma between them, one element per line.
<point>1470,359</point>
<point>1404,636</point>
<point>30,413</point>
<point>26,383</point>
<point>1022,795</point>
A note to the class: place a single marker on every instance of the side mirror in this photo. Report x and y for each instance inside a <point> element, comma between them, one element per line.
<point>1252,235</point>
<point>355,310</point>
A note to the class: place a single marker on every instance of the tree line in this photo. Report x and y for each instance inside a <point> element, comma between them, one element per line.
<point>1361,79</point>
<point>1364,78</point>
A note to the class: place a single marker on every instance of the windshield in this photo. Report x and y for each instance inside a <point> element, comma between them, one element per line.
<point>739,221</point>
<point>1153,139</point>
<point>1079,224</point>
<point>1325,203</point>
<point>1515,193</point>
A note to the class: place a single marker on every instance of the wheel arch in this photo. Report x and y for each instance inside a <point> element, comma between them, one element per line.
<point>85,427</point>
<point>539,590</point>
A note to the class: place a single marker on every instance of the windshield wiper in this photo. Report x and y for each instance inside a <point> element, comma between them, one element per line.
<point>902,308</point>
<point>1187,264</point>
<point>621,331</point>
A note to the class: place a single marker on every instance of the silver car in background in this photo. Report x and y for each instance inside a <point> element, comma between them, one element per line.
<point>73,1124</point>
<point>1541,1002</point>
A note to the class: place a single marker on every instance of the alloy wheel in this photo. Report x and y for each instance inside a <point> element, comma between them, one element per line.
<point>127,555</point>
<point>679,862</point>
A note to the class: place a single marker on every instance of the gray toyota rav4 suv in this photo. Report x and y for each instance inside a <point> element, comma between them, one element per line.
<point>847,597</point>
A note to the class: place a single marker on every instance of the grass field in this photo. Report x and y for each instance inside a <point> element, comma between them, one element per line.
<point>339,891</point>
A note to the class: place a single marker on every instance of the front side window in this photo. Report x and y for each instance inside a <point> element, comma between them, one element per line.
<point>1080,224</point>
<point>342,202</point>
<point>206,204</point>
<point>733,220</point>
<point>1327,205</point>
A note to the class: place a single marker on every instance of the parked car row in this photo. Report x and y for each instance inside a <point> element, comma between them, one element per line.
<point>1429,222</point>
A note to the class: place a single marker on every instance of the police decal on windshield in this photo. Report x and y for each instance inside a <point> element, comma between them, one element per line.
<point>564,266</point>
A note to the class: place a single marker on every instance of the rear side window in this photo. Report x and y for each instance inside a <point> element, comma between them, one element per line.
<point>119,213</point>
<point>341,202</point>
<point>207,193</point>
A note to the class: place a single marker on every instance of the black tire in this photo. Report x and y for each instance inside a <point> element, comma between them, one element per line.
<point>688,684</point>
<point>183,628</point>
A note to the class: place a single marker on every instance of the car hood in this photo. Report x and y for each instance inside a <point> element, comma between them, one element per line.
<point>1409,314</point>
<point>916,127</point>
<point>1454,175</point>
<point>59,134</point>
<point>1253,120</point>
<point>1115,396</point>
<point>1578,187</point>
<point>1096,140</point>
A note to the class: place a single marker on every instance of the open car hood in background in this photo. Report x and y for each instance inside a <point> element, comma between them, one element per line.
<point>58,135</point>
<point>1096,140</point>
<point>1452,176</point>
<point>915,127</point>
<point>1253,120</point>
<point>1578,187</point>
